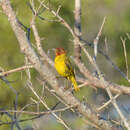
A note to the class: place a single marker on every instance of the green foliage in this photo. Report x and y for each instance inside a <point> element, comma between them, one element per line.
<point>110,3</point>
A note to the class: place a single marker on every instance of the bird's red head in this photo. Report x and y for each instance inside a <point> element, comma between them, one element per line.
<point>60,51</point>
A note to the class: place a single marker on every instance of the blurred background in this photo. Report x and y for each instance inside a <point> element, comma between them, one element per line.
<point>56,35</point>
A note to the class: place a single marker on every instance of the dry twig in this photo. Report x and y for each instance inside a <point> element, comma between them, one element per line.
<point>125,54</point>
<point>16,70</point>
<point>46,106</point>
<point>96,40</point>
<point>107,103</point>
<point>37,113</point>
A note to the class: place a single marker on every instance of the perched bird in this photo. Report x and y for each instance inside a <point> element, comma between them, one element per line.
<point>64,67</point>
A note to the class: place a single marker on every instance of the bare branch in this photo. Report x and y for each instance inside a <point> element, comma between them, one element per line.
<point>38,43</point>
<point>77,29</point>
<point>15,70</point>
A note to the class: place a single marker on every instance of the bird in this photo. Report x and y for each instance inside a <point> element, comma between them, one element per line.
<point>64,67</point>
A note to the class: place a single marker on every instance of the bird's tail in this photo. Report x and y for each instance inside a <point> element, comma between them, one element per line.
<point>74,83</point>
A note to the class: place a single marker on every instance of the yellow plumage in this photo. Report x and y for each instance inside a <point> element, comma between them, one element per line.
<point>64,67</point>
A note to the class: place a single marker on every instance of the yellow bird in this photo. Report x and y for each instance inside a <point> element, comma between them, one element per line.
<point>64,67</point>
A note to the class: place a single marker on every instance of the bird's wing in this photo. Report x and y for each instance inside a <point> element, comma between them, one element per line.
<point>69,67</point>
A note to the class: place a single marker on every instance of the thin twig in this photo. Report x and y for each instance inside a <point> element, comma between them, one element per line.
<point>28,119</point>
<point>23,108</point>
<point>106,45</point>
<point>37,113</point>
<point>58,10</point>
<point>96,40</point>
<point>125,54</point>
<point>106,57</point>
<point>38,42</point>
<point>91,124</point>
<point>58,118</point>
<point>16,121</point>
<point>128,35</point>
<point>15,70</point>
<point>53,93</point>
<point>59,18</point>
<point>107,103</point>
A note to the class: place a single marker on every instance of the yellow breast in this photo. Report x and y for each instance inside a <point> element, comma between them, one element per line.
<point>60,65</point>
